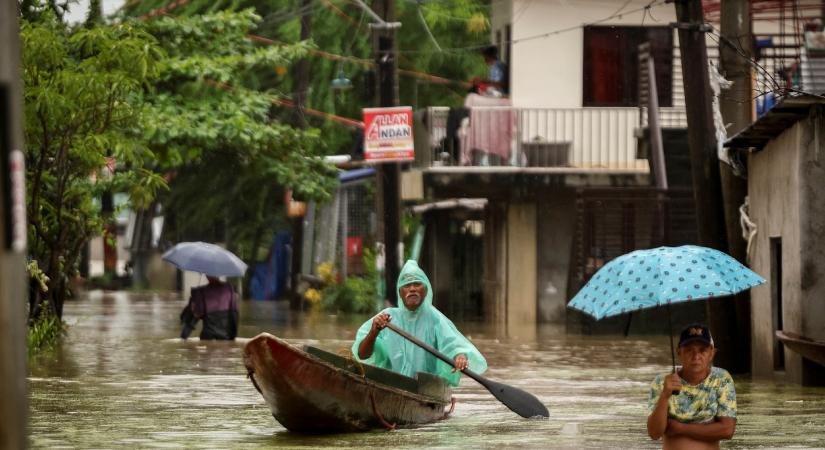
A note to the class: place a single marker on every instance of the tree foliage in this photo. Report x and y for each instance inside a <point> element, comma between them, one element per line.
<point>209,118</point>
<point>82,92</point>
<point>342,28</point>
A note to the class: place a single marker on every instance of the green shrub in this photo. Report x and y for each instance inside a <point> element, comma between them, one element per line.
<point>44,332</point>
<point>354,295</point>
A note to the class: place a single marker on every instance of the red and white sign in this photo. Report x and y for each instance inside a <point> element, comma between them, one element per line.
<point>388,134</point>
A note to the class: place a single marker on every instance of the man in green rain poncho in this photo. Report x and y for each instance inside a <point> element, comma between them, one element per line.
<point>417,316</point>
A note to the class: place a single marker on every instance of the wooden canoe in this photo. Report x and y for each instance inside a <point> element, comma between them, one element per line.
<point>313,391</point>
<point>806,347</point>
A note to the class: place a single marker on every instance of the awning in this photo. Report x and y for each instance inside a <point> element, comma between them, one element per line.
<point>355,174</point>
<point>476,204</point>
<point>778,119</point>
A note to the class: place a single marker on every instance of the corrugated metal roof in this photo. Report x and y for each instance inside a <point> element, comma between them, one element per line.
<point>778,119</point>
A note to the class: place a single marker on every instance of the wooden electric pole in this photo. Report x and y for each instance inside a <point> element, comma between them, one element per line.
<point>301,85</point>
<point>737,113</point>
<point>707,188</point>
<point>13,286</point>
<point>388,173</point>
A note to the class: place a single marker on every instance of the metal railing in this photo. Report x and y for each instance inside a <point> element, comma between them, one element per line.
<point>576,138</point>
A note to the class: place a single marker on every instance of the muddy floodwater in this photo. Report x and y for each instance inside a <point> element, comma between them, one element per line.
<point>121,379</point>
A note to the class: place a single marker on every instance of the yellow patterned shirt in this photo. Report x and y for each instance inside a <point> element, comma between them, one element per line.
<point>714,397</point>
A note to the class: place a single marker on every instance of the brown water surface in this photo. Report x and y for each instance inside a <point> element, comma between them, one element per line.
<point>121,379</point>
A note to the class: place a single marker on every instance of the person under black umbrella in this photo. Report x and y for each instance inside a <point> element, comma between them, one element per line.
<point>216,304</point>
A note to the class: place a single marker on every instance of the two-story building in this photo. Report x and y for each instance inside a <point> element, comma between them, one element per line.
<point>560,167</point>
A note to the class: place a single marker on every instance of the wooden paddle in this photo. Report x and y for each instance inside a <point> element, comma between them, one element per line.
<point>520,402</point>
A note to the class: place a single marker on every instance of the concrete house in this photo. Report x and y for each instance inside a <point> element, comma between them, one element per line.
<point>786,196</point>
<point>562,182</point>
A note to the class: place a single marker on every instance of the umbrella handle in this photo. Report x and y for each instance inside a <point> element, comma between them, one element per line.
<point>676,392</point>
<point>672,353</point>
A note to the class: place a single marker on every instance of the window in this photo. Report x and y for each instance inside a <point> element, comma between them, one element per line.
<point>611,64</point>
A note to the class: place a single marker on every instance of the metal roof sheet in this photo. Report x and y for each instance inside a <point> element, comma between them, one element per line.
<point>778,119</point>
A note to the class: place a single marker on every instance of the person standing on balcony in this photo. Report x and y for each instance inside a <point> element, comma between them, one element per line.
<point>497,83</point>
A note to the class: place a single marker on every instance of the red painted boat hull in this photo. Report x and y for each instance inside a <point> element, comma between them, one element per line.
<point>307,394</point>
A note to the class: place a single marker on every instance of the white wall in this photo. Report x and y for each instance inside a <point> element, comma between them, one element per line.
<point>547,72</point>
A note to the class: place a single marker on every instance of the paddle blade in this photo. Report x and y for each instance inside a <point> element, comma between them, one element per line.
<point>520,402</point>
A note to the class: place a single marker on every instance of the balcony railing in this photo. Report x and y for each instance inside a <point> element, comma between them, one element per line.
<point>565,138</point>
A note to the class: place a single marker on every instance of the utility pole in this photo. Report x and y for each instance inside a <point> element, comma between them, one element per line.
<point>13,406</point>
<point>707,189</point>
<point>736,107</point>
<point>301,86</point>
<point>388,173</point>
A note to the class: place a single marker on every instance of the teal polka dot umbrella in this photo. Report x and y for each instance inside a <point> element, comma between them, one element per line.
<point>662,276</point>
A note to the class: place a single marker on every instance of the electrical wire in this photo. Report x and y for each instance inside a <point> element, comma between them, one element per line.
<point>285,15</point>
<point>777,89</point>
<point>652,4</point>
<point>427,29</point>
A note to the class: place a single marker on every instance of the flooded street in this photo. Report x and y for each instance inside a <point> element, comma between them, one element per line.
<point>123,380</point>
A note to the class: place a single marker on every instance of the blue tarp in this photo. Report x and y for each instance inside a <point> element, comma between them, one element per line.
<point>269,278</point>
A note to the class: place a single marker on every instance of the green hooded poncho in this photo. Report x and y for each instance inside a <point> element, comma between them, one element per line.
<point>428,324</point>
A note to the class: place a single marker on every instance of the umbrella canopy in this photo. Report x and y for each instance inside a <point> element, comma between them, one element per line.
<point>208,259</point>
<point>661,276</point>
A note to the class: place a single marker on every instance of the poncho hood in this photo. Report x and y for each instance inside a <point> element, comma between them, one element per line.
<point>411,273</point>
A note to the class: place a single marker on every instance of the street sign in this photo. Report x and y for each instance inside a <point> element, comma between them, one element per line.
<point>388,134</point>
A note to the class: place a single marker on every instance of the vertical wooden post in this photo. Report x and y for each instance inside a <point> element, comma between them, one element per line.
<point>707,187</point>
<point>701,137</point>
<point>736,109</point>
<point>13,293</point>
<point>388,173</point>
<point>301,85</point>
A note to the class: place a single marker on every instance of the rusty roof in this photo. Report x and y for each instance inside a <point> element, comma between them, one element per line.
<point>782,116</point>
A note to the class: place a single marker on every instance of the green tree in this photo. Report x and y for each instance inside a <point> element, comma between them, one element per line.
<point>340,27</point>
<point>83,96</point>
<point>210,121</point>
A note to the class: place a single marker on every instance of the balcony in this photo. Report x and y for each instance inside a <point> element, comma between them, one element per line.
<point>565,140</point>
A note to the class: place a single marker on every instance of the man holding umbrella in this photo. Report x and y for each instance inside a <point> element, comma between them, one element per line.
<point>694,407</point>
<point>216,303</point>
<point>705,412</point>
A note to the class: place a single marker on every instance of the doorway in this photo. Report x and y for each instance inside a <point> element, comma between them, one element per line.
<point>776,301</point>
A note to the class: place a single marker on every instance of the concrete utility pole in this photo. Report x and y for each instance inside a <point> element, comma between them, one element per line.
<point>389,174</point>
<point>13,406</point>
<point>737,110</point>
<point>707,189</point>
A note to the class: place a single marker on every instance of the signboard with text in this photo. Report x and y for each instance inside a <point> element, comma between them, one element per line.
<point>388,134</point>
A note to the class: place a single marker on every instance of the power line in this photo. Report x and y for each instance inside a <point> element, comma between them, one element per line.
<point>652,4</point>
<point>777,89</point>
<point>364,62</point>
<point>427,29</point>
<point>291,104</point>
